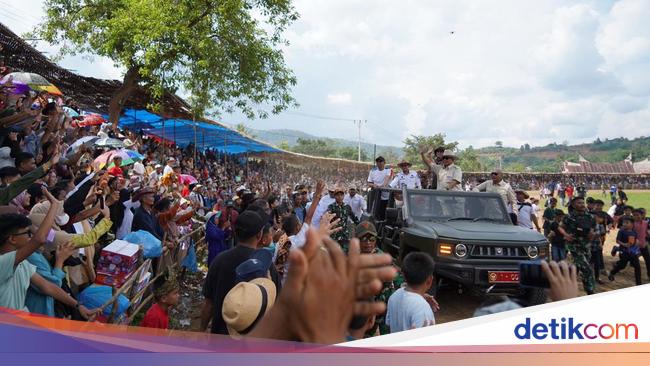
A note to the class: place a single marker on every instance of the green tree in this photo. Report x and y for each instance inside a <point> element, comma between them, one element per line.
<point>351,153</point>
<point>498,144</point>
<point>315,147</point>
<point>226,54</point>
<point>245,130</point>
<point>468,160</point>
<point>284,146</point>
<point>415,144</point>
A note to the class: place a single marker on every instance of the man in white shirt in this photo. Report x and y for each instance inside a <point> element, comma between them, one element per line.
<point>356,202</point>
<point>449,175</point>
<point>322,203</point>
<point>169,168</point>
<point>406,178</point>
<point>498,185</point>
<point>379,177</point>
<point>525,215</point>
<point>155,176</point>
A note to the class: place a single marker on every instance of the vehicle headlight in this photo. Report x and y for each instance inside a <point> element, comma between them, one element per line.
<point>445,249</point>
<point>532,252</point>
<point>460,250</point>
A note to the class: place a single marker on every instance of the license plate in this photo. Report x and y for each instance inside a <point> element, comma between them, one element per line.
<point>503,276</point>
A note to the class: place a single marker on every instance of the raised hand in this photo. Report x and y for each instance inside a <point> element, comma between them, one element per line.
<point>52,199</point>
<point>563,280</point>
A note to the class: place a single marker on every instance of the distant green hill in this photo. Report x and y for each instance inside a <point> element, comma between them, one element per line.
<point>549,158</point>
<point>278,137</point>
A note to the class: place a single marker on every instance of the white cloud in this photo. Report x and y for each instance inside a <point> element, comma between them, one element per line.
<point>339,98</point>
<point>515,71</point>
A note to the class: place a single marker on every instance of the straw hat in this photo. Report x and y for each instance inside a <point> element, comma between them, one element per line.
<point>247,303</point>
<point>403,162</point>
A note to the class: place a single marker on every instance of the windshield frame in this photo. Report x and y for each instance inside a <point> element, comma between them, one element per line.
<point>504,218</point>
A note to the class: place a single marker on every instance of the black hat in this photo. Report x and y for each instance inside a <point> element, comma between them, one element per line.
<point>380,159</point>
<point>249,224</point>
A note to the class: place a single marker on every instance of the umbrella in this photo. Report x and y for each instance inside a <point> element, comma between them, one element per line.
<point>86,140</point>
<point>15,87</point>
<point>187,179</point>
<point>134,154</point>
<point>91,120</point>
<point>70,112</point>
<point>107,157</point>
<point>34,81</point>
<point>110,142</point>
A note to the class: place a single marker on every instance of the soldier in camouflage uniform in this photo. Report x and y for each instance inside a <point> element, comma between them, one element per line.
<point>343,212</point>
<point>367,235</point>
<point>578,229</point>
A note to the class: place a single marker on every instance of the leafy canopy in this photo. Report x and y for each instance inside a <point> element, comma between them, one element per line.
<point>227,54</point>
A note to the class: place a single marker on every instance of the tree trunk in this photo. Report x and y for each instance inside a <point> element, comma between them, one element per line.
<point>122,94</point>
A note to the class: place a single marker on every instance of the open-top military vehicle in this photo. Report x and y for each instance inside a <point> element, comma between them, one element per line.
<point>469,235</point>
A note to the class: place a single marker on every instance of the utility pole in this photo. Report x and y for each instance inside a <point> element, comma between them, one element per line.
<point>358,122</point>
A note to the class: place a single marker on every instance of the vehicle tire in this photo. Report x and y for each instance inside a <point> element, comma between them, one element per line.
<point>535,296</point>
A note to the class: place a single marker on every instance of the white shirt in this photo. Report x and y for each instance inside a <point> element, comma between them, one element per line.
<point>410,180</point>
<point>523,217</point>
<point>408,310</point>
<point>357,203</point>
<point>168,169</point>
<point>446,175</point>
<point>321,209</point>
<point>379,178</point>
<point>125,228</point>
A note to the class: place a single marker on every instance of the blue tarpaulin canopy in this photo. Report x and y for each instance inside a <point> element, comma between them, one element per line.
<point>182,132</point>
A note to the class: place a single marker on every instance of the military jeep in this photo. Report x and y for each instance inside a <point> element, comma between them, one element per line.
<point>469,235</point>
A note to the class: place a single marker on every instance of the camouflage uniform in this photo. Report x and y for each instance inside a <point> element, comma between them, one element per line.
<point>388,289</point>
<point>580,247</point>
<point>344,213</point>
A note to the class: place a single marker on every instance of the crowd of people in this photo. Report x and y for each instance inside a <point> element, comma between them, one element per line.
<point>278,235</point>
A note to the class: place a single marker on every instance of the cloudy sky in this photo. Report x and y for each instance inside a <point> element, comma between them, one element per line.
<point>515,71</point>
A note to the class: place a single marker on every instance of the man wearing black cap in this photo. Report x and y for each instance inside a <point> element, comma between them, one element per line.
<point>380,177</point>
<point>430,160</point>
<point>222,275</point>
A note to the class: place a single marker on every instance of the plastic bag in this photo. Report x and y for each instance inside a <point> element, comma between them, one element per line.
<point>97,295</point>
<point>151,246</point>
<point>189,261</point>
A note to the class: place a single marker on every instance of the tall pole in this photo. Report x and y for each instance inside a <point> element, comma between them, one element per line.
<point>195,143</point>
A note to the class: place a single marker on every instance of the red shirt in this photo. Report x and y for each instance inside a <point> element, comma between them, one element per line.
<point>641,229</point>
<point>156,317</point>
<point>569,191</point>
<point>116,171</point>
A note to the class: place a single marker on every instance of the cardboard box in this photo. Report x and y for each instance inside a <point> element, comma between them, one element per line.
<point>110,279</point>
<point>144,281</point>
<point>119,258</point>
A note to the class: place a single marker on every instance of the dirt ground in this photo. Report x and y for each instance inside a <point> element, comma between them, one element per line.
<point>453,306</point>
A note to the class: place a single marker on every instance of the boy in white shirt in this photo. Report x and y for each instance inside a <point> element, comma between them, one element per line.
<point>410,306</point>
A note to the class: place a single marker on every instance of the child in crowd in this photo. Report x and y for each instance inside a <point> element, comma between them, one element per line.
<point>166,294</point>
<point>597,245</point>
<point>410,306</point>
<point>641,226</point>
<point>558,244</point>
<point>626,240</point>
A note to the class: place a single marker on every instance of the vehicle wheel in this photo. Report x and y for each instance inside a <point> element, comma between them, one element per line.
<point>535,296</point>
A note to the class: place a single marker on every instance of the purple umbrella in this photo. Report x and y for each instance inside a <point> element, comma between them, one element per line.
<point>16,87</point>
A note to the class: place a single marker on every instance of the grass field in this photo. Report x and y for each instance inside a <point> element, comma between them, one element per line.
<point>636,199</point>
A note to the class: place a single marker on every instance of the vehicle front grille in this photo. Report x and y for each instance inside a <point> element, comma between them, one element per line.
<point>495,251</point>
